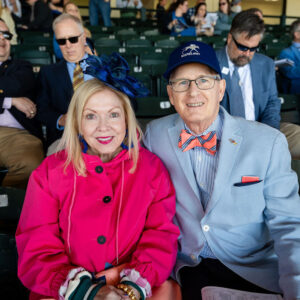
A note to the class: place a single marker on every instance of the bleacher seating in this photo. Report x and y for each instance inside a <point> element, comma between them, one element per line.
<point>290,108</point>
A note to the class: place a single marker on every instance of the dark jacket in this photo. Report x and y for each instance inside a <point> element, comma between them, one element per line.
<point>54,94</point>
<point>17,80</point>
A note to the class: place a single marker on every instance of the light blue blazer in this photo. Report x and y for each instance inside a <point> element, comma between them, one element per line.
<point>266,102</point>
<point>252,229</point>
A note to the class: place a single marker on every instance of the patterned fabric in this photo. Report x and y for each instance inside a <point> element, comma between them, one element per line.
<point>135,276</point>
<point>77,77</point>
<point>188,141</point>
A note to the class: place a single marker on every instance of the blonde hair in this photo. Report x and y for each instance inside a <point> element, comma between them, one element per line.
<point>70,140</point>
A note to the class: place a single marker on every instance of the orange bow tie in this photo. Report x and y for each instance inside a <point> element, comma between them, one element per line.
<point>188,141</point>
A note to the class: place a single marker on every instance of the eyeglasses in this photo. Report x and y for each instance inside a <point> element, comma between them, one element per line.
<point>244,48</point>
<point>71,39</point>
<point>222,3</point>
<point>7,35</point>
<point>202,82</point>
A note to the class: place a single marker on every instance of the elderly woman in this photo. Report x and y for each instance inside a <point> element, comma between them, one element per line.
<point>100,202</point>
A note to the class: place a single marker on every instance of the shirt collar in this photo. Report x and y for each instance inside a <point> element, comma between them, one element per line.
<point>73,64</point>
<point>216,126</point>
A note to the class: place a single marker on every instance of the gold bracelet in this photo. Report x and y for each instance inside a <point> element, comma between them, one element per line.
<point>128,290</point>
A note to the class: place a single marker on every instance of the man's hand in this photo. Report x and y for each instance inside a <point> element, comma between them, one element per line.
<point>62,120</point>
<point>24,105</point>
<point>109,292</point>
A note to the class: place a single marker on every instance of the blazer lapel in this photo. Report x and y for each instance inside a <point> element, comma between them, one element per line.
<point>230,145</point>
<point>183,157</point>
<point>63,77</point>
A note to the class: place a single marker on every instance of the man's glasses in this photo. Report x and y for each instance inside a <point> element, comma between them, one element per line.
<point>7,35</point>
<point>203,83</point>
<point>243,47</point>
<point>71,39</point>
<point>222,3</point>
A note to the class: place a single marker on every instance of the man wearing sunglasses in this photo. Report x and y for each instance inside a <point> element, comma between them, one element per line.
<point>56,81</point>
<point>21,148</point>
<point>251,90</point>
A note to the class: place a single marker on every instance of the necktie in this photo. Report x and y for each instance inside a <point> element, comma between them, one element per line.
<point>237,107</point>
<point>77,77</point>
<point>188,141</point>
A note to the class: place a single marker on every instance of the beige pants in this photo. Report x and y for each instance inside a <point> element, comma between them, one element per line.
<point>292,134</point>
<point>20,153</point>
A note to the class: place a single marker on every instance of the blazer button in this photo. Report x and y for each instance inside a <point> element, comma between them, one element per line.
<point>99,169</point>
<point>101,239</point>
<point>106,199</point>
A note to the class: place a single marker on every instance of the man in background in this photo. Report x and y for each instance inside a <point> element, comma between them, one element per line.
<point>21,148</point>
<point>251,90</point>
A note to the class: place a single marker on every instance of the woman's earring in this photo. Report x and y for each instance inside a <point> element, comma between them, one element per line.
<point>125,141</point>
<point>84,143</point>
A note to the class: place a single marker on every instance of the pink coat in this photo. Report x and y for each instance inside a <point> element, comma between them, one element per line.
<point>69,220</point>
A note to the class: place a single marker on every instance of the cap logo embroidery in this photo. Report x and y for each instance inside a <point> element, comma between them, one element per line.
<point>192,49</point>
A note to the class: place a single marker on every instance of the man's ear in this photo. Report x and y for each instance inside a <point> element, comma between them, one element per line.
<point>222,89</point>
<point>170,94</point>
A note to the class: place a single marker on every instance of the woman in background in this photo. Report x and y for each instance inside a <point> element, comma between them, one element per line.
<point>225,16</point>
<point>177,22</point>
<point>201,21</point>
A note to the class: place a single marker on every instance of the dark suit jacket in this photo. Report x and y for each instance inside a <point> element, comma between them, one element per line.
<point>17,80</point>
<point>266,102</point>
<point>42,17</point>
<point>55,91</point>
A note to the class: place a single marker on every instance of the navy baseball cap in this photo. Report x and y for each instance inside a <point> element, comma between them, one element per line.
<point>193,52</point>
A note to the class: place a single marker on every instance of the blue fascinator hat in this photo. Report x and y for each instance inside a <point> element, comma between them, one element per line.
<point>113,70</point>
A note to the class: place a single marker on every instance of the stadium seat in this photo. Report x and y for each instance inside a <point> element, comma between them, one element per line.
<point>153,107</point>
<point>3,172</point>
<point>35,57</point>
<point>11,202</point>
<point>138,46</point>
<point>290,108</point>
<point>126,34</point>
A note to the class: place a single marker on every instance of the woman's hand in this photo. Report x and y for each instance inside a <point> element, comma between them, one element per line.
<point>109,292</point>
<point>112,275</point>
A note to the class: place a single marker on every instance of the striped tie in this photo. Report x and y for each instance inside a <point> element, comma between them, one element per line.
<point>77,76</point>
<point>208,141</point>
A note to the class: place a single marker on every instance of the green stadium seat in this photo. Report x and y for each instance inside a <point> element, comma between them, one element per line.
<point>290,108</point>
<point>36,58</point>
<point>138,46</point>
<point>153,107</point>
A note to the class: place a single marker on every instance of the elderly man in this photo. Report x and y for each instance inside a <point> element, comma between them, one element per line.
<point>292,73</point>
<point>251,90</point>
<point>238,205</point>
<point>58,81</point>
<point>21,148</point>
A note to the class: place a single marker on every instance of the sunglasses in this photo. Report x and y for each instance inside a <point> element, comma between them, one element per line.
<point>7,35</point>
<point>71,39</point>
<point>244,48</point>
<point>223,3</point>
